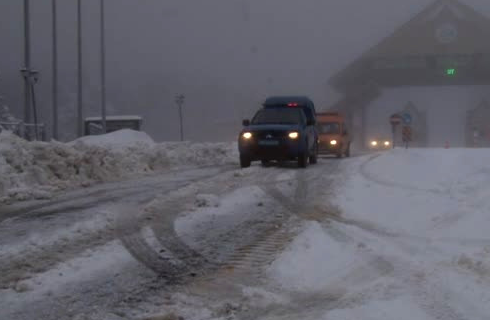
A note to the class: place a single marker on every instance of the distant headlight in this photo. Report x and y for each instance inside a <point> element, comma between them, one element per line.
<point>333,142</point>
<point>247,135</point>
<point>374,143</point>
<point>387,143</point>
<point>293,135</point>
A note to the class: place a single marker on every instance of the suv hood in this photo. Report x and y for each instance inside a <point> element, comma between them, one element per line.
<point>273,127</point>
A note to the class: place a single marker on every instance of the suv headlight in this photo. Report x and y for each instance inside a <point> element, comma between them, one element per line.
<point>333,142</point>
<point>247,135</point>
<point>293,135</point>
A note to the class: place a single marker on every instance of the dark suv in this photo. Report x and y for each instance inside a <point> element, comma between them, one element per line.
<point>277,133</point>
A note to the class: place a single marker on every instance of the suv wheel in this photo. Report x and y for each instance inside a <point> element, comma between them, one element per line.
<point>245,162</point>
<point>303,161</point>
<point>339,153</point>
<point>314,156</point>
<point>265,163</point>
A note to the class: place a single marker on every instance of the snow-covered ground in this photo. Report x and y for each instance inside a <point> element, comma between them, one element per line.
<point>411,242</point>
<point>394,235</point>
<point>38,170</point>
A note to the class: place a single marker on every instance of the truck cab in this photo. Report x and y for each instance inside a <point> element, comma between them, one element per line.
<point>333,134</point>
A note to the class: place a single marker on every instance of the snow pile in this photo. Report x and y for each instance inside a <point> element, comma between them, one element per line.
<point>118,140</point>
<point>312,261</point>
<point>199,153</point>
<point>37,169</point>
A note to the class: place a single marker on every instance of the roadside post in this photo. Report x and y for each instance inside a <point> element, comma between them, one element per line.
<point>179,100</point>
<point>395,120</point>
<point>407,129</point>
<point>407,135</point>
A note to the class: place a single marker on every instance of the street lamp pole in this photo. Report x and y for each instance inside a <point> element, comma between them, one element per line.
<point>27,62</point>
<point>55,70</point>
<point>79,71</point>
<point>102,66</point>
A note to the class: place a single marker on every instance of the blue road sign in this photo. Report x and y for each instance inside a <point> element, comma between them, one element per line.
<point>407,118</point>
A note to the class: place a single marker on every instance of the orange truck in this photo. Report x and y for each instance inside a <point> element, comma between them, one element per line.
<point>333,134</point>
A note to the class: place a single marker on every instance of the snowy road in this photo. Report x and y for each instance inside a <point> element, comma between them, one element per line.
<point>39,238</point>
<point>103,247</point>
<point>350,239</point>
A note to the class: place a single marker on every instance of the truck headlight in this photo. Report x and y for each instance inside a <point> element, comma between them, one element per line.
<point>247,135</point>
<point>374,143</point>
<point>387,143</point>
<point>333,142</point>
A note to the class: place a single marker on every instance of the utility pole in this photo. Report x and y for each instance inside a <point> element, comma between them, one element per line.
<point>102,66</point>
<point>55,70</point>
<point>179,100</point>
<point>27,62</point>
<point>80,71</point>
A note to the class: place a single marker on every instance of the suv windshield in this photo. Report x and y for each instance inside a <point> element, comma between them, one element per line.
<point>279,116</point>
<point>328,128</point>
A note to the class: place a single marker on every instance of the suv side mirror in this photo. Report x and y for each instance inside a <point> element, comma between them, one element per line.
<point>246,122</point>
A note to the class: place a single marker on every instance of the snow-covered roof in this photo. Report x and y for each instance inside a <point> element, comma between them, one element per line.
<point>114,118</point>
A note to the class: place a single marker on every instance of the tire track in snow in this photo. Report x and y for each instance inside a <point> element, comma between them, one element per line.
<point>39,258</point>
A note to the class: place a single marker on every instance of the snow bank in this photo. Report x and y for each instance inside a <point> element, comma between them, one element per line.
<point>116,140</point>
<point>35,170</point>
<point>437,202</point>
<point>444,191</point>
<point>312,261</point>
<point>431,169</point>
<point>5,114</point>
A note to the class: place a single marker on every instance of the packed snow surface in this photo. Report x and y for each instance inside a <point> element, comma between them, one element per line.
<point>312,261</point>
<point>36,170</point>
<point>440,192</point>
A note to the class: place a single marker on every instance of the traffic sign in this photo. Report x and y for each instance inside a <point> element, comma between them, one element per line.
<point>395,119</point>
<point>407,118</point>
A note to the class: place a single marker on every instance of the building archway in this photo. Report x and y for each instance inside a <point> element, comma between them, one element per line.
<point>444,45</point>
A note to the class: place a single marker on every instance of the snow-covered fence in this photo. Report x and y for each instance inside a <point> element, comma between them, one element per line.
<point>35,132</point>
<point>25,130</point>
<point>14,127</point>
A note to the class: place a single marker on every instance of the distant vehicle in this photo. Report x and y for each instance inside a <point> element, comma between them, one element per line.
<point>378,144</point>
<point>277,134</point>
<point>333,134</point>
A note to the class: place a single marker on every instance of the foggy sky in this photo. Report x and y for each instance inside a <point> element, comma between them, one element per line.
<point>226,56</point>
